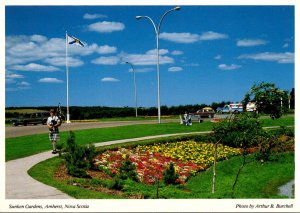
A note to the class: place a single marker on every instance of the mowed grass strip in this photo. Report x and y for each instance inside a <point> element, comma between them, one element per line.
<point>257,179</point>
<point>24,146</point>
<point>19,147</point>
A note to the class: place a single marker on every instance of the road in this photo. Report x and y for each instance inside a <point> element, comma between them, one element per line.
<point>16,131</point>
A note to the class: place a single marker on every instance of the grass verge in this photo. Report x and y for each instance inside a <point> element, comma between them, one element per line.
<point>28,145</point>
<point>257,180</point>
<point>23,146</point>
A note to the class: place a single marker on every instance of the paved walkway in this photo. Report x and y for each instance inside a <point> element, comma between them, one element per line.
<point>19,185</point>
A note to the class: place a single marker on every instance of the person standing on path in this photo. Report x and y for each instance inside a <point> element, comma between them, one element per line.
<point>53,123</point>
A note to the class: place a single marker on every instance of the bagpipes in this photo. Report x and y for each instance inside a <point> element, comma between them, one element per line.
<point>58,114</point>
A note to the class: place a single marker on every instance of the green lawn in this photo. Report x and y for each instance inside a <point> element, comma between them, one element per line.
<point>28,145</point>
<point>257,180</point>
<point>19,147</point>
<point>44,173</point>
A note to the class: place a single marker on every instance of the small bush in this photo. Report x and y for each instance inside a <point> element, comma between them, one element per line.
<point>169,175</point>
<point>275,141</point>
<point>117,184</point>
<point>90,153</point>
<point>127,171</point>
<point>78,158</point>
<point>265,145</point>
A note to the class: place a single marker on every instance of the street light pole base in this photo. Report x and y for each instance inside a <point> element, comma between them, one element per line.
<point>68,119</point>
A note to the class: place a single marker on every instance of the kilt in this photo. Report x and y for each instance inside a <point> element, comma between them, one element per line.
<point>54,135</point>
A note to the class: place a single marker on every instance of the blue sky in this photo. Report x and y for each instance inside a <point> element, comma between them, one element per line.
<point>207,53</point>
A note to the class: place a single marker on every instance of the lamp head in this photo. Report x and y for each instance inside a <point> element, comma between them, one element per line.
<point>177,8</point>
<point>138,17</point>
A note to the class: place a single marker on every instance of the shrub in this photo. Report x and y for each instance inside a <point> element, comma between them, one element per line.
<point>78,158</point>
<point>284,131</point>
<point>169,175</point>
<point>265,145</point>
<point>242,131</point>
<point>281,140</point>
<point>127,171</point>
<point>90,153</point>
<point>118,184</point>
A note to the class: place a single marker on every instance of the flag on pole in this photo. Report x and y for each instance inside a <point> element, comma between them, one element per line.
<point>74,40</point>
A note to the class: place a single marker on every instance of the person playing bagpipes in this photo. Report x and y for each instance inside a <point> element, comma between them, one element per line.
<point>53,123</point>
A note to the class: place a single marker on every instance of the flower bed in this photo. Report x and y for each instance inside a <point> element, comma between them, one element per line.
<point>199,153</point>
<point>188,157</point>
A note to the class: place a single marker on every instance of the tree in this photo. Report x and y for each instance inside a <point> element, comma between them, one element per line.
<point>240,131</point>
<point>268,98</point>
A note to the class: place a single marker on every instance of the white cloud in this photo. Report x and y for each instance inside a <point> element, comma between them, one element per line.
<point>106,49</point>
<point>218,57</point>
<point>146,59</point>
<point>180,37</point>
<point>50,80</point>
<point>282,58</point>
<point>143,70</point>
<point>14,76</point>
<point>109,79</point>
<point>106,27</point>
<point>161,52</point>
<point>34,68</point>
<point>176,52</point>
<point>111,60</point>
<point>229,67</point>
<point>285,45</point>
<point>26,49</point>
<point>24,84</point>
<point>192,38</point>
<point>38,38</point>
<point>250,42</point>
<point>94,16</point>
<point>149,58</point>
<point>210,35</point>
<point>175,69</point>
<point>61,61</point>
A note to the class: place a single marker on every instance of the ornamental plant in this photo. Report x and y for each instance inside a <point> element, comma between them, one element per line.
<point>127,170</point>
<point>169,175</point>
<point>78,159</point>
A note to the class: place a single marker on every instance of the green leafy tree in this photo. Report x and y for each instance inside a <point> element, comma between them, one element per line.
<point>241,131</point>
<point>269,99</point>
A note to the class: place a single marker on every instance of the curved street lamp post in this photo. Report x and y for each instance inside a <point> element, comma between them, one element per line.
<point>157,52</point>
<point>134,82</point>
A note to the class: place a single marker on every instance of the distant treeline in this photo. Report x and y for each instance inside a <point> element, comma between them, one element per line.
<point>96,112</point>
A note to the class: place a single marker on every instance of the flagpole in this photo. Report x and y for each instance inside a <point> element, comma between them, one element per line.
<point>67,76</point>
